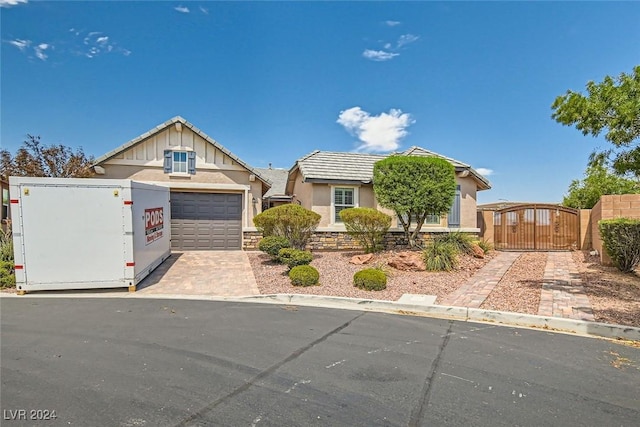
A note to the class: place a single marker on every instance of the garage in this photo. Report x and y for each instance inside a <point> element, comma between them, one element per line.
<point>206,221</point>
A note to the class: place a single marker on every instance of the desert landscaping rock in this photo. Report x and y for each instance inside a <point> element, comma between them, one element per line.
<point>407,261</point>
<point>361,259</point>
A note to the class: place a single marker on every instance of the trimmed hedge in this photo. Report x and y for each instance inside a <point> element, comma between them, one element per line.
<point>370,279</point>
<point>366,225</point>
<point>292,221</point>
<point>294,257</point>
<point>304,275</point>
<point>271,245</point>
<point>621,240</point>
<point>7,277</point>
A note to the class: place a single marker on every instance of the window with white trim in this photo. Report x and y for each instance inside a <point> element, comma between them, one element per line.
<point>343,198</point>
<point>179,162</point>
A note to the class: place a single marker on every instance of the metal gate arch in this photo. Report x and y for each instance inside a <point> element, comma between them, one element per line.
<point>536,227</point>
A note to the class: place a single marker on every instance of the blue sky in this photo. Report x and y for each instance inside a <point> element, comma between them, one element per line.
<point>272,81</point>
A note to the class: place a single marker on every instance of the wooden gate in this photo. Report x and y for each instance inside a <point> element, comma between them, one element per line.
<point>536,227</point>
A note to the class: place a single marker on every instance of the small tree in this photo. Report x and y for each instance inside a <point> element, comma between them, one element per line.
<point>368,226</point>
<point>598,181</point>
<point>292,221</point>
<point>414,187</point>
<point>612,105</point>
<point>34,159</point>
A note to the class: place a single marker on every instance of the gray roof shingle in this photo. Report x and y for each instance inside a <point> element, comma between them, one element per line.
<point>278,179</point>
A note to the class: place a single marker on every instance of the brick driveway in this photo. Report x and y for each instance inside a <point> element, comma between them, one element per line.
<point>213,273</point>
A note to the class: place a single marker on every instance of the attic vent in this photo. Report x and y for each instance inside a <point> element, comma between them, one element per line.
<point>252,178</point>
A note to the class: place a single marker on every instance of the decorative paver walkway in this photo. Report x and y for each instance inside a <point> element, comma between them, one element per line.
<point>562,293</point>
<point>477,289</point>
<point>213,273</point>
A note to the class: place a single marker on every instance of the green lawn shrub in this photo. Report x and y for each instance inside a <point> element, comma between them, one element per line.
<point>7,276</point>
<point>291,221</point>
<point>304,275</point>
<point>370,279</point>
<point>621,240</point>
<point>293,257</point>
<point>367,226</point>
<point>440,255</point>
<point>271,245</point>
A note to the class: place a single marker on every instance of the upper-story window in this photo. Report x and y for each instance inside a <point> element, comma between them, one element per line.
<point>180,161</point>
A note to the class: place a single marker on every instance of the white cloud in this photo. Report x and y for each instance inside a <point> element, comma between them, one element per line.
<point>182,9</point>
<point>405,39</point>
<point>378,55</point>
<point>102,40</point>
<point>20,44</point>
<point>379,133</point>
<point>9,3</point>
<point>204,10</point>
<point>39,51</point>
<point>392,23</point>
<point>485,171</point>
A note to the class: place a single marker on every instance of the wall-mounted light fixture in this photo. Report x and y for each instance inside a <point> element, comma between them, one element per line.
<point>254,200</point>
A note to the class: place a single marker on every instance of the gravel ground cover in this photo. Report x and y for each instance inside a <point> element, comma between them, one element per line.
<point>336,276</point>
<point>519,289</point>
<point>614,296</point>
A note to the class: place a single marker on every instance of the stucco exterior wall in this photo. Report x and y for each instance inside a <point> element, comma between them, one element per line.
<point>609,207</point>
<point>468,204</point>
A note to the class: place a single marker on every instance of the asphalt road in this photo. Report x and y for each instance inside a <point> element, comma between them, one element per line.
<point>135,362</point>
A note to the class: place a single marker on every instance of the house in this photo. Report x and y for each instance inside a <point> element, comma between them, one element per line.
<point>214,195</point>
<point>6,212</point>
<point>277,194</point>
<point>327,182</point>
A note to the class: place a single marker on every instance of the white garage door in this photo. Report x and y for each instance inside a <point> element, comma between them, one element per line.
<point>206,221</point>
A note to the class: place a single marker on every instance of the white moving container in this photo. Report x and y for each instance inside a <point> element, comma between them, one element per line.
<point>82,233</point>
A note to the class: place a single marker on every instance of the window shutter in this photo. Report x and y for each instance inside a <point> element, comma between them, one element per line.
<point>192,162</point>
<point>168,161</point>
<point>454,214</point>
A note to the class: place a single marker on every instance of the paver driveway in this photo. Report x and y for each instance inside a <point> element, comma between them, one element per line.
<point>214,273</point>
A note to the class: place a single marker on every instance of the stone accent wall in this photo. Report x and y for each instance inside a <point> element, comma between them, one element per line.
<point>341,241</point>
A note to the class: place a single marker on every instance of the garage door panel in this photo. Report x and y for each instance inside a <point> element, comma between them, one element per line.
<point>202,221</point>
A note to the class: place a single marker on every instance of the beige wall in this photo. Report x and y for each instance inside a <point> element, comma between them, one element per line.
<point>317,197</point>
<point>485,224</point>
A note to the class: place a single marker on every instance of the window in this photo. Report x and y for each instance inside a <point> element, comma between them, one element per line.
<point>5,203</point>
<point>343,198</point>
<point>180,162</point>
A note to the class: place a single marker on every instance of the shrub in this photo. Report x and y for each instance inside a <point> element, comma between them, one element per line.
<point>7,277</point>
<point>304,275</point>
<point>440,255</point>
<point>366,225</point>
<point>371,279</point>
<point>485,245</point>
<point>271,245</point>
<point>292,221</point>
<point>462,242</point>
<point>621,240</point>
<point>294,257</point>
<point>6,244</point>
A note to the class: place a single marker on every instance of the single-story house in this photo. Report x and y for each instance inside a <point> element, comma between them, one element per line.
<point>214,195</point>
<point>327,182</point>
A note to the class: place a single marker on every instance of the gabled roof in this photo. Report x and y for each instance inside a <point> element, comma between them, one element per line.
<point>161,127</point>
<point>278,179</point>
<point>357,168</point>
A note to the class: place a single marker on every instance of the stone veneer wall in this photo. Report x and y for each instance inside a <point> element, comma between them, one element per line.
<point>338,241</point>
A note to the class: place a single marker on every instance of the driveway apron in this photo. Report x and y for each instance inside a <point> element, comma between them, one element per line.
<point>212,273</point>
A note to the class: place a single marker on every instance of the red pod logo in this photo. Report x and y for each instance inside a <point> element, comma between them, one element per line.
<point>153,224</point>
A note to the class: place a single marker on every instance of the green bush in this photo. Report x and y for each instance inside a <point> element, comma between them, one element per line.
<point>6,244</point>
<point>366,225</point>
<point>294,257</point>
<point>485,245</point>
<point>304,275</point>
<point>291,221</point>
<point>271,245</point>
<point>461,241</point>
<point>7,277</point>
<point>440,255</point>
<point>371,279</point>
<point>621,240</point>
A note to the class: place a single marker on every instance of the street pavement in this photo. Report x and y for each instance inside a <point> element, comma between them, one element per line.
<point>149,362</point>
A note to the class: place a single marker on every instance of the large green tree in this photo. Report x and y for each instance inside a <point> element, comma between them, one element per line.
<point>414,187</point>
<point>598,180</point>
<point>612,106</point>
<point>35,159</point>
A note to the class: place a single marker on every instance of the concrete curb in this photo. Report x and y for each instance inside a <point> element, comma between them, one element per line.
<point>552,324</point>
